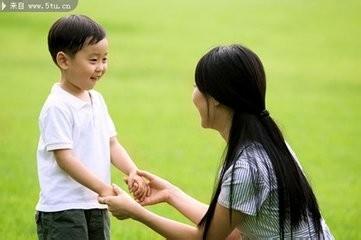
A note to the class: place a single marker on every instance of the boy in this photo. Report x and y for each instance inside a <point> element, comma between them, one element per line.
<point>78,138</point>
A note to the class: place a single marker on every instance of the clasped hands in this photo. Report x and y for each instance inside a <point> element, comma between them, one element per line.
<point>147,189</point>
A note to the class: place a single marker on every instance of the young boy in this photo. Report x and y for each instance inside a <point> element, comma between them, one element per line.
<point>78,139</point>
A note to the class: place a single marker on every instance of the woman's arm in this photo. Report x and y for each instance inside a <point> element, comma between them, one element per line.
<point>123,206</point>
<point>220,227</point>
<point>190,207</point>
<point>164,191</point>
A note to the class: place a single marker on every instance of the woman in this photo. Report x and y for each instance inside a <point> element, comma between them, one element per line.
<point>261,188</point>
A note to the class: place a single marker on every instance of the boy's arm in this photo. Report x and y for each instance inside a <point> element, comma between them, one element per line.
<point>120,157</point>
<point>78,171</point>
<point>121,160</point>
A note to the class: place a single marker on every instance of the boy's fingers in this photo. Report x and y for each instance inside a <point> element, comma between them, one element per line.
<point>134,187</point>
<point>130,181</point>
<point>138,192</point>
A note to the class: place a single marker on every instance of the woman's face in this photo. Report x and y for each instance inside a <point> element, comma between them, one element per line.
<point>201,103</point>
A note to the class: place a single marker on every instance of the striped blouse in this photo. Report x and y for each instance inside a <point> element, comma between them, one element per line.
<point>255,195</point>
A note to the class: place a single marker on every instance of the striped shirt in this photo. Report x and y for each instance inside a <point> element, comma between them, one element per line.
<point>254,194</point>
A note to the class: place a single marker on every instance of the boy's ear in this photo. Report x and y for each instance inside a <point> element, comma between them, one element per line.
<point>62,59</point>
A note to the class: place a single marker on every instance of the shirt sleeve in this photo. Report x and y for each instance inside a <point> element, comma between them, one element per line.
<point>56,128</point>
<point>249,191</point>
<point>109,122</point>
<point>111,127</point>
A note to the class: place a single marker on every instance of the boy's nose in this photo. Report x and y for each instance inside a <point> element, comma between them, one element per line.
<point>100,68</point>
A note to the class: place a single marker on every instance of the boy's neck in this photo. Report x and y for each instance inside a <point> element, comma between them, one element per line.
<point>74,90</point>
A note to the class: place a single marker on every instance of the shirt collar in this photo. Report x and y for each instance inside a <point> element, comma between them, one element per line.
<point>73,100</point>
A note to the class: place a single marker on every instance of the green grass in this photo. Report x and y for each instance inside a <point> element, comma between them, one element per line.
<point>312,55</point>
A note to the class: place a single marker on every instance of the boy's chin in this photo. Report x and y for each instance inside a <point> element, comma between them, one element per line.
<point>90,87</point>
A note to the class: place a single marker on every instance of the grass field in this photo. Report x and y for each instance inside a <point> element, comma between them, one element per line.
<point>312,56</point>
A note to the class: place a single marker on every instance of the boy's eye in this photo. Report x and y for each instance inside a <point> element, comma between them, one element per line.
<point>93,60</point>
<point>105,59</point>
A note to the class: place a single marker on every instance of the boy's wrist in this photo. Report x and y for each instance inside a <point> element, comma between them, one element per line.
<point>106,190</point>
<point>132,171</point>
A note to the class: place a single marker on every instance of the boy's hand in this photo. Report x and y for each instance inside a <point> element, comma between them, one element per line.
<point>138,186</point>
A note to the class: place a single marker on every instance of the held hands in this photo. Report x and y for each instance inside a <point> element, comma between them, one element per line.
<point>122,206</point>
<point>137,185</point>
<point>154,190</point>
<point>160,189</point>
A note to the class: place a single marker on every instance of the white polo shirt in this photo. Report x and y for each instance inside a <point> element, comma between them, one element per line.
<point>67,122</point>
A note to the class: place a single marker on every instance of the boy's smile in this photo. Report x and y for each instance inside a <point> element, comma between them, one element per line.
<point>83,70</point>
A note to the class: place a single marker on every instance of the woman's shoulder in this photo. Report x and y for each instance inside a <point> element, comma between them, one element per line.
<point>251,153</point>
<point>252,157</point>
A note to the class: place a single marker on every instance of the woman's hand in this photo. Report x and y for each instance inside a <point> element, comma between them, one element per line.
<point>160,189</point>
<point>122,206</point>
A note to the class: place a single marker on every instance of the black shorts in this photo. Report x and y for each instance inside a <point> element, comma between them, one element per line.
<point>77,224</point>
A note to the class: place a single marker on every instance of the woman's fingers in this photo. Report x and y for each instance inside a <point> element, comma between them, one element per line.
<point>149,191</point>
<point>117,189</point>
<point>147,201</point>
<point>104,200</point>
<point>101,200</point>
<point>146,174</point>
<point>150,201</point>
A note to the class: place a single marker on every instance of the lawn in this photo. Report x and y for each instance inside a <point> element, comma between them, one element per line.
<point>312,56</point>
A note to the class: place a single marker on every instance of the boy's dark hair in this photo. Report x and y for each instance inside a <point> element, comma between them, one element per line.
<point>70,33</point>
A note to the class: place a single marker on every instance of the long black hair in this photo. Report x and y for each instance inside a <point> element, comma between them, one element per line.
<point>234,76</point>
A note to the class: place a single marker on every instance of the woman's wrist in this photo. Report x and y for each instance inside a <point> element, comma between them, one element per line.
<point>172,194</point>
<point>138,213</point>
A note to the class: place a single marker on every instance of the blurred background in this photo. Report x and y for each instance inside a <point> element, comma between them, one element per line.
<point>312,56</point>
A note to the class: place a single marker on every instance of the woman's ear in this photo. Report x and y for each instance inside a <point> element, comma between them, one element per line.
<point>62,59</point>
<point>214,102</point>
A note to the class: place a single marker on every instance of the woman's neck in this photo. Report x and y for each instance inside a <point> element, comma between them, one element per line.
<point>224,123</point>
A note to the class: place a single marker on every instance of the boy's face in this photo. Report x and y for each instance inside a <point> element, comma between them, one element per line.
<point>88,65</point>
